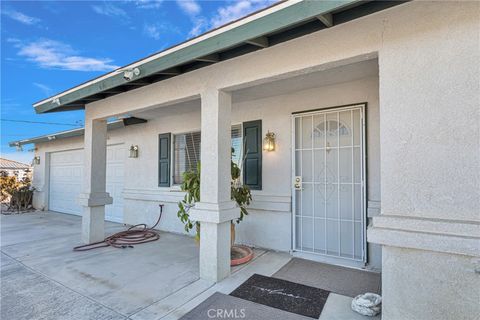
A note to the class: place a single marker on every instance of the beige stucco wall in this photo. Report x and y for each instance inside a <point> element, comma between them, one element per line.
<point>429,93</point>
<point>430,162</point>
<point>276,114</point>
<point>438,286</point>
<point>427,66</point>
<point>269,222</point>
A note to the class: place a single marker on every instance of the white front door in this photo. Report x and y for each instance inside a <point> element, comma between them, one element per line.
<point>329,183</point>
<point>66,174</point>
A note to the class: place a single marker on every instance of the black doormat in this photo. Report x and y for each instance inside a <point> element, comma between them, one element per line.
<point>284,295</point>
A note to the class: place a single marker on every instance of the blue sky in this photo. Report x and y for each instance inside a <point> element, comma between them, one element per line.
<point>50,46</point>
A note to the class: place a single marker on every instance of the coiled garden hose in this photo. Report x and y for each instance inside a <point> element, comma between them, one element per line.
<point>136,234</point>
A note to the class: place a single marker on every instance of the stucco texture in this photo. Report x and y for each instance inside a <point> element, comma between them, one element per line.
<point>427,143</point>
<point>269,222</point>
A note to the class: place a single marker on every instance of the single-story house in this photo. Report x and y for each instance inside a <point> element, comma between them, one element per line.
<point>374,160</point>
<point>15,168</point>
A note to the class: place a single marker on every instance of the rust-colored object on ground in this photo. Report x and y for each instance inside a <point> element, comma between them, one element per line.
<point>240,255</point>
<point>136,234</point>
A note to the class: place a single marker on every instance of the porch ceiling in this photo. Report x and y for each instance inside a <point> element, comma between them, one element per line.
<point>281,22</point>
<point>346,73</point>
<point>316,79</point>
<point>170,110</point>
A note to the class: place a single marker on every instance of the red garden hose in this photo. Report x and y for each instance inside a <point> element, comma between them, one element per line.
<point>136,234</point>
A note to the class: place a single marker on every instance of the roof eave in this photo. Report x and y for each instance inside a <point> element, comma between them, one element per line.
<point>271,22</point>
<point>61,135</point>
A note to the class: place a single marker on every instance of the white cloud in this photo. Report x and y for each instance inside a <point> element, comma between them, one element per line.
<point>190,7</point>
<point>44,88</point>
<point>193,9</point>
<point>149,4</point>
<point>21,17</point>
<point>13,40</point>
<point>200,24</point>
<point>155,30</point>
<point>152,31</point>
<point>108,9</point>
<point>237,10</point>
<point>233,11</point>
<point>51,54</point>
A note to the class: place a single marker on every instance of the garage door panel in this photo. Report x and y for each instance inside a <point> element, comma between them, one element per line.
<point>66,174</point>
<point>77,172</point>
<point>67,158</point>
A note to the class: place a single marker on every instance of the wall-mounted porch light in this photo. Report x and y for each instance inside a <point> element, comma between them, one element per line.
<point>269,141</point>
<point>36,160</point>
<point>133,151</point>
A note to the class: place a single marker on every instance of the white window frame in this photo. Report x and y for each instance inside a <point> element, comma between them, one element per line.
<point>172,171</point>
<point>176,186</point>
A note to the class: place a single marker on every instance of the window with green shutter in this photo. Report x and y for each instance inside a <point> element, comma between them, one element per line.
<point>164,160</point>
<point>252,167</point>
<point>246,143</point>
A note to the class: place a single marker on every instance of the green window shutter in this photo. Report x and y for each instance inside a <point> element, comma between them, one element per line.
<point>164,159</point>
<point>252,167</point>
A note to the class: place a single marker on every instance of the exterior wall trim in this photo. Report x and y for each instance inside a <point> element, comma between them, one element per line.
<point>438,235</point>
<point>273,203</point>
<point>373,208</point>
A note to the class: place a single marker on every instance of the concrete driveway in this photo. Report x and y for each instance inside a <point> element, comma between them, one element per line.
<point>42,278</point>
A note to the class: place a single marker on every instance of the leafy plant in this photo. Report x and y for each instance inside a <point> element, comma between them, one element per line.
<point>8,184</point>
<point>17,193</point>
<point>191,185</point>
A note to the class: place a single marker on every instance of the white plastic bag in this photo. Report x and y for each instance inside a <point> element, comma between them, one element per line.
<point>367,304</point>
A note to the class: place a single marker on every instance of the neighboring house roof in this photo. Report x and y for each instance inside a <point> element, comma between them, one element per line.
<point>62,135</point>
<point>6,164</point>
<point>280,22</point>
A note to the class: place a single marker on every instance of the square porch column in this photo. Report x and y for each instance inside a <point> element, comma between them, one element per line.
<point>215,209</point>
<point>94,196</point>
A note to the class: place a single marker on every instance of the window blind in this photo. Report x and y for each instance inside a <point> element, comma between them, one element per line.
<point>187,151</point>
<point>186,154</point>
<point>237,144</point>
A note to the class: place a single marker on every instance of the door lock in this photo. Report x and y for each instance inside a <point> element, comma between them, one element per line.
<point>298,183</point>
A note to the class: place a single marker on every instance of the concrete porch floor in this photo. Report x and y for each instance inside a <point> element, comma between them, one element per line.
<point>105,283</point>
<point>42,278</point>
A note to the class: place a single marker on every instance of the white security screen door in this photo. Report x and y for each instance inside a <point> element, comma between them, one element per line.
<point>329,188</point>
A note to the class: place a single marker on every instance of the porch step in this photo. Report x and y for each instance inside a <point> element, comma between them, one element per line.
<point>222,306</point>
<point>341,280</point>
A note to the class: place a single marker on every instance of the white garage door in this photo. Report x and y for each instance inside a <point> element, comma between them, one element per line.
<point>66,168</point>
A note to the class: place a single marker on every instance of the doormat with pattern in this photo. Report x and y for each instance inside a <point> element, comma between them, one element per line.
<point>283,295</point>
